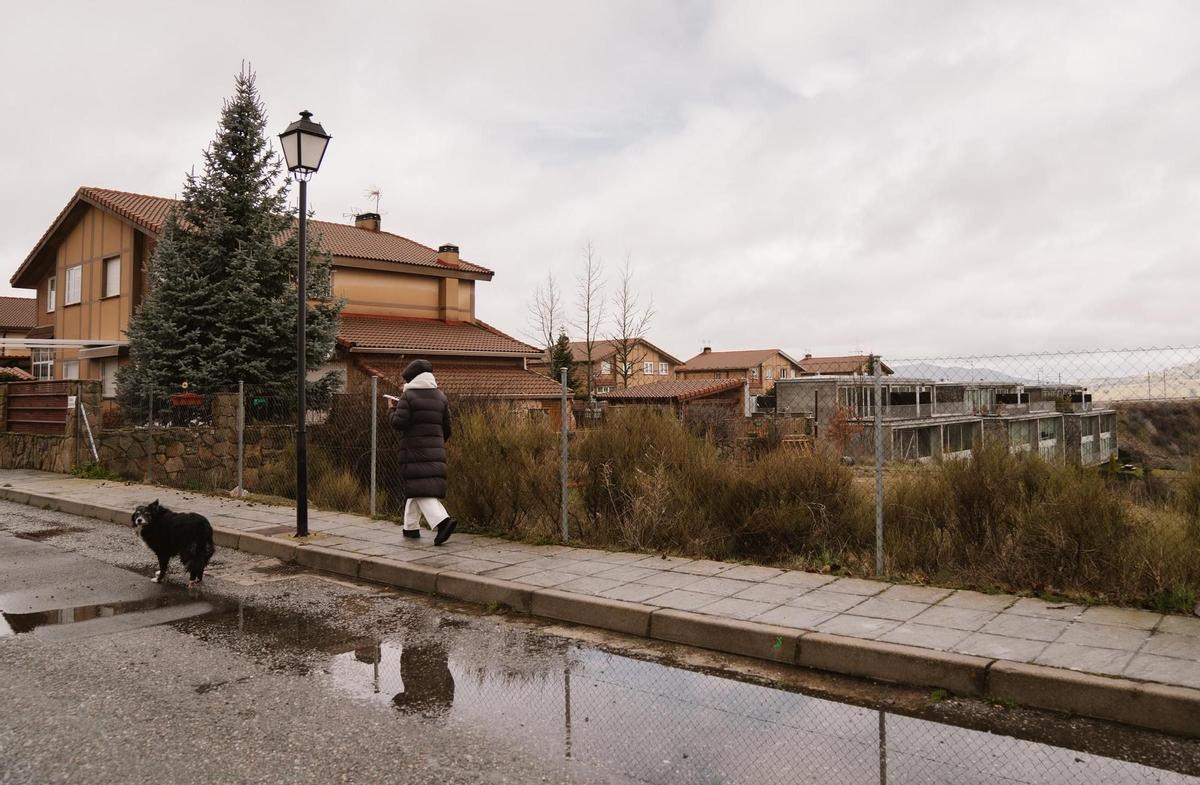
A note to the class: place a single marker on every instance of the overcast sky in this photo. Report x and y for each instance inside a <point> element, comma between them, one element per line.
<point>913,178</point>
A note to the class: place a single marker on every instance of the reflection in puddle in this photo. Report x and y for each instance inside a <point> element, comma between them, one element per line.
<point>20,623</point>
<point>662,724</point>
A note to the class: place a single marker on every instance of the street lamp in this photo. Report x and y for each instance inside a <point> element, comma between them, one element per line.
<point>304,145</point>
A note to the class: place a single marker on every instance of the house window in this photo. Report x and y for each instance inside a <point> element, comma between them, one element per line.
<point>112,276</point>
<point>647,368</point>
<point>628,369</point>
<point>603,390</point>
<point>753,373</point>
<point>770,373</point>
<point>43,364</point>
<point>74,285</point>
<point>662,369</point>
<point>783,373</point>
<point>70,369</point>
<point>605,368</point>
<point>51,293</point>
<point>108,372</point>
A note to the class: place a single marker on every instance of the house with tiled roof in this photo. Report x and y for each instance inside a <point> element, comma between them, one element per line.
<point>682,395</point>
<point>402,299</point>
<point>761,367</point>
<point>644,363</point>
<point>844,365</point>
<point>18,315</point>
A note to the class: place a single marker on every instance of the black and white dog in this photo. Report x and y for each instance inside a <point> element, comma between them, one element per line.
<point>184,534</point>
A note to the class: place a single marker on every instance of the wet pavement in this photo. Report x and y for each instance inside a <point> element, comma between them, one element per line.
<point>274,674</point>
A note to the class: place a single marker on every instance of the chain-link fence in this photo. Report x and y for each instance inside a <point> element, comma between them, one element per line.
<point>1068,471</point>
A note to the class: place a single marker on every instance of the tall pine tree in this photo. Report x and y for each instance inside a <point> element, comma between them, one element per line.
<point>222,300</point>
<point>561,357</point>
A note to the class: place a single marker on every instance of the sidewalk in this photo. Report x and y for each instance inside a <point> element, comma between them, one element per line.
<point>1127,665</point>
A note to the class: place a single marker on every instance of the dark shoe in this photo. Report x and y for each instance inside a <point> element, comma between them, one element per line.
<point>444,530</point>
<point>413,533</point>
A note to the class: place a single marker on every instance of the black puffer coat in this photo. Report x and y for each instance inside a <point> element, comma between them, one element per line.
<point>423,416</point>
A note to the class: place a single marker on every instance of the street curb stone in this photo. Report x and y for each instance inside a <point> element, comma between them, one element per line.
<point>414,577</point>
<point>629,617</point>
<point>747,638</point>
<point>962,674</point>
<point>484,590</point>
<point>1159,707</point>
<point>328,560</point>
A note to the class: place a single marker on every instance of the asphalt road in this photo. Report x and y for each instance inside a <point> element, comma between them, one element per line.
<point>272,674</point>
<point>112,700</point>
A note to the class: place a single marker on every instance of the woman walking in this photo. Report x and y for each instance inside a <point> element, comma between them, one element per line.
<point>422,415</point>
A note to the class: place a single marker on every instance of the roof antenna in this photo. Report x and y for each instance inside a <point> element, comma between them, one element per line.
<point>376,193</point>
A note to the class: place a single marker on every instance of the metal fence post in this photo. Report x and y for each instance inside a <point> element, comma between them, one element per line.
<point>374,442</point>
<point>878,463</point>
<point>241,428</point>
<point>562,429</point>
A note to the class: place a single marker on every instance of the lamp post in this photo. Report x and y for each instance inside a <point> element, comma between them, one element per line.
<point>303,148</point>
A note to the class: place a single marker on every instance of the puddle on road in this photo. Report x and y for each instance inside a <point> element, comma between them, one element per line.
<point>21,623</point>
<point>653,722</point>
<point>39,535</point>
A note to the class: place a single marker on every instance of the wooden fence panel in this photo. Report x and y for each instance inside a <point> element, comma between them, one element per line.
<point>37,407</point>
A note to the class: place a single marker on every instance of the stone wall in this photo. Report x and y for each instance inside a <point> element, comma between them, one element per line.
<point>37,451</point>
<point>198,456</point>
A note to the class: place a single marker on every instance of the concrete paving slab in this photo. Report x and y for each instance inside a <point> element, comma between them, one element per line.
<point>858,626</point>
<point>1088,659</point>
<point>856,586</point>
<point>580,567</point>
<point>1028,627</point>
<point>1169,644</point>
<point>484,590</point>
<point>634,592</point>
<point>1180,625</point>
<point>512,572</point>
<point>800,618</point>
<point>1059,611</point>
<point>1168,670</point>
<point>720,586</point>
<point>954,618</point>
<point>822,600</point>
<point>671,580</point>
<point>683,600</point>
<point>769,592</point>
<point>589,585</point>
<point>880,608</point>
<point>625,572</point>
<point>925,636</point>
<point>745,572</point>
<point>548,578</point>
<point>961,674</point>
<point>978,601</point>
<point>1104,635</point>
<point>627,617</point>
<point>703,567</point>
<point>1001,647</point>
<point>804,580</point>
<point>751,639</point>
<point>731,608</point>
<point>924,594</point>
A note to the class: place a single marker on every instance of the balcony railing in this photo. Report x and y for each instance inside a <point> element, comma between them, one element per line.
<point>961,408</point>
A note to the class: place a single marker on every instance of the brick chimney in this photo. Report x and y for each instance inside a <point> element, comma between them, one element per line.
<point>706,350</point>
<point>368,221</point>
<point>448,255</point>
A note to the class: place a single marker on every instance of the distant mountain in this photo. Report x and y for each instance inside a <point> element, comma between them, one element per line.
<point>954,373</point>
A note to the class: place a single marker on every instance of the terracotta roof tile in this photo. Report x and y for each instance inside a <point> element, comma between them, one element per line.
<point>602,350</point>
<point>149,213</point>
<point>728,361</point>
<point>363,331</point>
<point>19,373</point>
<point>18,312</point>
<point>473,381</point>
<point>673,390</point>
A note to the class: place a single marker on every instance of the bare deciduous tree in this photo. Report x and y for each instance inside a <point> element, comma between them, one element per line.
<point>589,307</point>
<point>630,323</point>
<point>546,313</point>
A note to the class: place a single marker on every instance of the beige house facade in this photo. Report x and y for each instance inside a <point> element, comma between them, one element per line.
<point>761,367</point>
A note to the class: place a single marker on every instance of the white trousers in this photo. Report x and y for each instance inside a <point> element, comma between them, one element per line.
<point>431,509</point>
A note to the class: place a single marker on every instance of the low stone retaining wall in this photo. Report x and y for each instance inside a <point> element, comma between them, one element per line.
<point>37,451</point>
<point>196,457</point>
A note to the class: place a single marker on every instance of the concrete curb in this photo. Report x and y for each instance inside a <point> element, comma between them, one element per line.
<point>962,674</point>
<point>750,639</point>
<point>1159,707</point>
